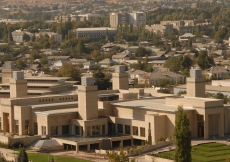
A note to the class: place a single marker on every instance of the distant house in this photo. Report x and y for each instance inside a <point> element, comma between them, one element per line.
<point>52,59</point>
<point>121,57</point>
<point>218,72</point>
<point>57,37</point>
<point>186,37</point>
<point>107,47</point>
<point>78,61</point>
<point>144,44</point>
<point>135,74</point>
<point>106,62</point>
<point>132,49</point>
<point>158,76</point>
<point>59,63</point>
<point>89,65</point>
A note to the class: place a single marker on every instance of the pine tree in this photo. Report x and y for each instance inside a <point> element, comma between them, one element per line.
<point>22,157</point>
<point>182,137</point>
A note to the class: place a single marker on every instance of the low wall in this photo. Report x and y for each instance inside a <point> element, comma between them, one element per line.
<point>26,140</point>
<point>135,151</point>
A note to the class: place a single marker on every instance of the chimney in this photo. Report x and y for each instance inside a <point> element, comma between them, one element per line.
<point>18,85</point>
<point>120,78</point>
<point>7,71</point>
<point>195,84</point>
<point>87,99</point>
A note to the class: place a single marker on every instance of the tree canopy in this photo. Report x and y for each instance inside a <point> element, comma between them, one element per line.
<point>22,157</point>
<point>182,137</point>
<point>68,70</point>
<point>204,61</point>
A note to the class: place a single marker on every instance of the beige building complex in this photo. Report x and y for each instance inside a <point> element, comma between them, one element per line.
<point>103,119</point>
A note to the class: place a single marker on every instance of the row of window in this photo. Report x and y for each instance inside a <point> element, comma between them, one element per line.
<point>46,100</point>
<point>26,127</point>
<point>34,80</point>
<point>127,129</point>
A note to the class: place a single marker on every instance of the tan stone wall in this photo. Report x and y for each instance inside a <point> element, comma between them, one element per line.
<point>125,96</point>
<point>87,102</point>
<point>6,75</point>
<point>22,113</point>
<point>18,88</point>
<point>59,121</point>
<point>160,127</point>
<point>120,81</point>
<point>195,87</point>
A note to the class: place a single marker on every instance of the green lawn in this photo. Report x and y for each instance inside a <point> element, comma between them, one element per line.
<point>210,152</point>
<point>44,158</point>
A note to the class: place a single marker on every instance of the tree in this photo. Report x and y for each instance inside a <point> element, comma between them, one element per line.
<point>97,56</point>
<point>182,137</point>
<point>173,64</point>
<point>115,157</point>
<point>20,64</point>
<point>22,157</point>
<point>141,52</point>
<point>68,70</point>
<point>26,37</point>
<point>204,61</point>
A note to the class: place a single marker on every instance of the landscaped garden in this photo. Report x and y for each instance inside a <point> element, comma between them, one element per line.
<point>209,152</point>
<point>40,157</point>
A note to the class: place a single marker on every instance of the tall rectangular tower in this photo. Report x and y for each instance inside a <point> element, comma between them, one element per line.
<point>118,18</point>
<point>18,85</point>
<point>195,84</point>
<point>87,99</point>
<point>7,71</point>
<point>120,78</point>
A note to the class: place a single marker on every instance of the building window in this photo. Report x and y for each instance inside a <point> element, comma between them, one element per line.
<point>17,126</point>
<point>35,128</point>
<point>127,129</point>
<point>77,130</point>
<point>135,130</point>
<point>54,131</point>
<point>119,128</point>
<point>43,130</point>
<point>96,130</point>
<point>65,129</point>
<point>26,126</point>
<point>88,130</point>
<point>103,129</point>
<point>142,132</point>
<point>111,128</point>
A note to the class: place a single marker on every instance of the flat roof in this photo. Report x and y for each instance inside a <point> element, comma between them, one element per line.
<point>55,104</point>
<point>95,138</point>
<point>29,91</point>
<point>57,111</point>
<point>150,104</point>
<point>44,96</point>
<point>209,88</point>
<point>95,29</point>
<point>47,78</point>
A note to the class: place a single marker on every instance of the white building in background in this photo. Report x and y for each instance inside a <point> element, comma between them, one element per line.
<point>18,35</point>
<point>57,37</point>
<point>135,18</point>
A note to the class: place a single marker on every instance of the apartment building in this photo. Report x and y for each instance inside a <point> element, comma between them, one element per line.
<point>135,18</point>
<point>19,34</point>
<point>57,37</point>
<point>96,33</point>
